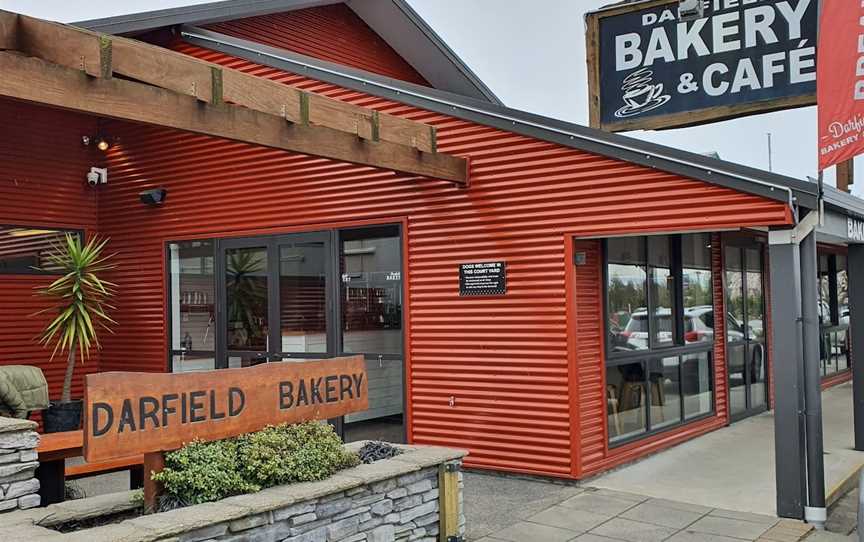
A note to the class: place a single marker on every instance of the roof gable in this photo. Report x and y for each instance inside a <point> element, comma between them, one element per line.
<point>392,20</point>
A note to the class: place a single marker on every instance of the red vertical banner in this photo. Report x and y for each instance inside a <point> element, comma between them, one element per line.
<point>840,81</point>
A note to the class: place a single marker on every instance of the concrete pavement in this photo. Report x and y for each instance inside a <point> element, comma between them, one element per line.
<point>602,515</point>
<point>733,468</point>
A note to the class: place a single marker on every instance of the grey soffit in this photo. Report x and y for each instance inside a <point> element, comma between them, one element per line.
<point>394,20</point>
<point>688,164</point>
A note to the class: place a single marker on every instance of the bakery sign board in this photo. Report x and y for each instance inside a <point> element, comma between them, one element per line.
<point>128,414</point>
<point>649,69</point>
<point>855,229</point>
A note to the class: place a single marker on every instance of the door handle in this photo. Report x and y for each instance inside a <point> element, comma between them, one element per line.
<point>380,361</point>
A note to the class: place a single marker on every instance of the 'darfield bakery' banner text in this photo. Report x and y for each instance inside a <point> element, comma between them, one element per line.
<point>841,82</point>
<point>741,52</point>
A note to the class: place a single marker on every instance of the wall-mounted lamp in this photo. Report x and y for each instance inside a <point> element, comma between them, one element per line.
<point>102,142</point>
<point>153,197</point>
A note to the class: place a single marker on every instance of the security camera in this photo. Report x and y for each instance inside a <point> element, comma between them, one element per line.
<point>97,176</point>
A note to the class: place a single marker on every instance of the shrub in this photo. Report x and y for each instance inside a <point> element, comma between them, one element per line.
<point>209,471</point>
<point>204,471</point>
<point>293,453</point>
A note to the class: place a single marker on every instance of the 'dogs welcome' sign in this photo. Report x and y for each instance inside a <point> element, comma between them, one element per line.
<point>127,414</point>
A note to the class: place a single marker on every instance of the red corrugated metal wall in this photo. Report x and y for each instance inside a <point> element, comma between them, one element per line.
<point>333,33</point>
<point>42,168</point>
<point>502,360</point>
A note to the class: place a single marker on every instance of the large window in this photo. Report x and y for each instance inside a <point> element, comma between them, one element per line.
<point>833,313</point>
<point>660,328</point>
<point>23,249</point>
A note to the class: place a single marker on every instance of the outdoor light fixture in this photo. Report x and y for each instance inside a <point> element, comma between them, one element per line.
<point>154,197</point>
<point>102,143</point>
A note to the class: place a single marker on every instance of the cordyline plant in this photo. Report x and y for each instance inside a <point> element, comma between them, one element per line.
<point>80,301</point>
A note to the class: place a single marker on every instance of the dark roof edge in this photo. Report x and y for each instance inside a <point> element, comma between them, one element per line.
<point>199,13</point>
<point>688,164</point>
<point>433,36</point>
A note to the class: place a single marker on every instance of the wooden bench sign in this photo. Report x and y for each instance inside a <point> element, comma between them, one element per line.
<point>127,414</point>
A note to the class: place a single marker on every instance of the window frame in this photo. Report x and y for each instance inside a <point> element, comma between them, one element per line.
<point>679,348</point>
<point>4,272</point>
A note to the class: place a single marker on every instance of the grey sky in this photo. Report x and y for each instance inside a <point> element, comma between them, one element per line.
<point>532,55</point>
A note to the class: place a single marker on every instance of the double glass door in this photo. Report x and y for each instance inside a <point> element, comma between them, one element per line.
<point>746,352</point>
<point>277,298</point>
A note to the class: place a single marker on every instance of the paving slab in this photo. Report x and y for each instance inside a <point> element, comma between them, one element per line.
<point>633,531</point>
<point>569,518</point>
<point>652,512</point>
<point>745,516</point>
<point>589,537</point>
<point>729,527</point>
<point>591,501</point>
<point>676,505</point>
<point>690,536</point>
<point>493,502</point>
<point>524,530</point>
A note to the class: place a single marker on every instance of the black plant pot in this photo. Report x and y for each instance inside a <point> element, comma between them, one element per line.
<point>61,417</point>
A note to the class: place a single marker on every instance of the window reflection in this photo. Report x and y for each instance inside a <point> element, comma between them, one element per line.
<point>697,288</point>
<point>696,383</point>
<point>662,286</point>
<point>246,294</point>
<point>303,296</point>
<point>628,300</point>
<point>192,291</point>
<point>371,291</point>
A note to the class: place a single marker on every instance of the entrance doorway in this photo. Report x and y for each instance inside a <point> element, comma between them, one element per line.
<point>746,352</point>
<point>311,295</point>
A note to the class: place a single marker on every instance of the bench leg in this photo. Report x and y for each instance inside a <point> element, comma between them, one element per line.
<point>136,477</point>
<point>52,481</point>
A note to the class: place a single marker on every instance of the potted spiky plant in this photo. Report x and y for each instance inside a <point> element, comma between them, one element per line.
<point>80,301</point>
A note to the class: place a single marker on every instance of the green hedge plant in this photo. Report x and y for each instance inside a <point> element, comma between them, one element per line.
<point>208,471</point>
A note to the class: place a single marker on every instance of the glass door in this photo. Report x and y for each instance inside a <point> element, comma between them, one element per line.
<point>246,282</point>
<point>304,283</point>
<point>746,352</point>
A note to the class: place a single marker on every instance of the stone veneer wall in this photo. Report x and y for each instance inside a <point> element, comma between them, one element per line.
<point>19,488</point>
<point>394,500</point>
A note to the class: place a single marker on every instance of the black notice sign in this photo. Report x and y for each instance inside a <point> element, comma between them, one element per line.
<point>488,278</point>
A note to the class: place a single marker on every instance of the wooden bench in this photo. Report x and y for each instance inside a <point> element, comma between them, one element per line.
<point>55,448</point>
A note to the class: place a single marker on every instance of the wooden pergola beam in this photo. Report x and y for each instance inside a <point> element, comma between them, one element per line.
<point>100,55</point>
<point>38,81</point>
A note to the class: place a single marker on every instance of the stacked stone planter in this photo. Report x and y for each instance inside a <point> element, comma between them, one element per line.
<point>387,501</point>
<point>19,489</point>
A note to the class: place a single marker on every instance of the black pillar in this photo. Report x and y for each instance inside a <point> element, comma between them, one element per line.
<point>815,510</point>
<point>855,276</point>
<point>789,432</point>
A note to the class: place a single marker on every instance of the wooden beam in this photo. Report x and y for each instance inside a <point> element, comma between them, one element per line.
<point>61,44</point>
<point>845,175</point>
<point>8,30</point>
<point>86,50</point>
<point>38,81</point>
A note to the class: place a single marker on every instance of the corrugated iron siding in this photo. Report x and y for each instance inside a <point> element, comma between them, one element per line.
<point>42,168</point>
<point>333,33</point>
<point>502,360</point>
